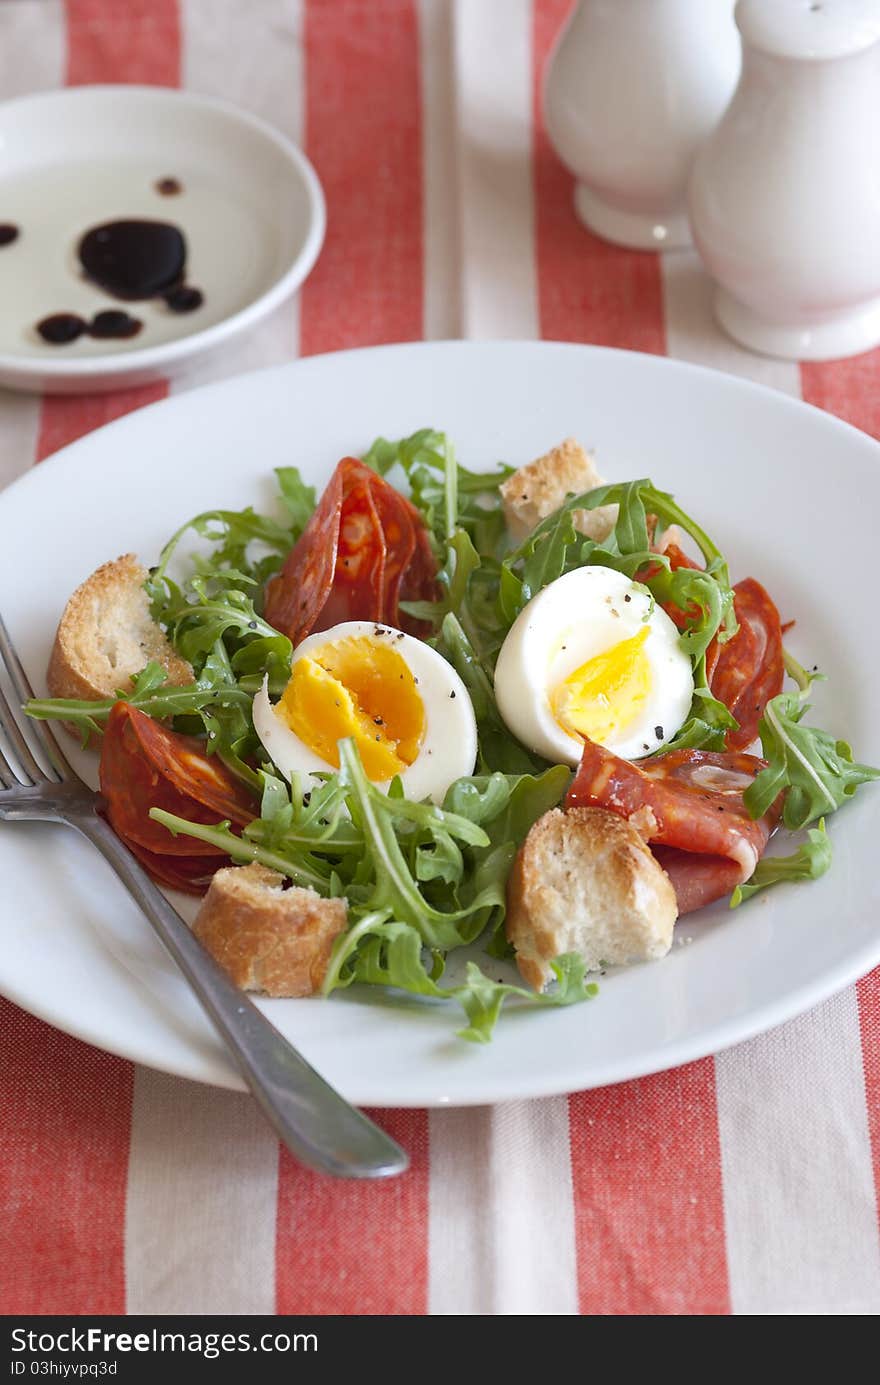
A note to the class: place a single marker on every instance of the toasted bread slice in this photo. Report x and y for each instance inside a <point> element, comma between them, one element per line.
<point>267,938</point>
<point>585,881</point>
<point>536,490</point>
<point>106,636</point>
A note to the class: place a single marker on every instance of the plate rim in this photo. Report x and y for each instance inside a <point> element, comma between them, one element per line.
<point>608,1074</point>
<point>151,359</point>
<point>513,344</point>
<point>711,1039</point>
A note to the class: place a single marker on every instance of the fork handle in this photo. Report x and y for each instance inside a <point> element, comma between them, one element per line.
<point>315,1123</point>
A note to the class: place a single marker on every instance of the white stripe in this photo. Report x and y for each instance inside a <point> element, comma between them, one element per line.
<point>501,1224</point>
<point>19,428</point>
<point>501,1230</point>
<point>799,1196</point>
<point>250,54</point>
<point>440,213</point>
<point>200,1206</point>
<point>692,334</point>
<point>799,1193</point>
<point>493,62</point>
<point>203,1168</point>
<point>32,52</point>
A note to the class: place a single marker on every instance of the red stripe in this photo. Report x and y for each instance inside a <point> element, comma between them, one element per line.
<point>63,1171</point>
<point>646,1163</point>
<point>64,419</point>
<point>108,42</point>
<point>361,1248</point>
<point>65,1164</point>
<point>849,389</point>
<point>868,992</point>
<point>846,388</point>
<point>356,1249</point>
<point>363,134</point>
<point>588,290</point>
<point>136,41</point>
<point>649,1213</point>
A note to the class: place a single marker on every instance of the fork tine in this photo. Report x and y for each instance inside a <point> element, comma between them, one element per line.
<point>8,780</point>
<point>23,690</point>
<point>33,773</point>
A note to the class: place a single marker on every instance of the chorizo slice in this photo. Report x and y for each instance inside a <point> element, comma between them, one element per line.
<point>688,800</point>
<point>191,874</point>
<point>747,671</point>
<point>145,765</point>
<point>296,595</point>
<point>357,589</point>
<point>400,523</point>
<point>419,583</point>
<point>364,549</point>
<point>697,880</point>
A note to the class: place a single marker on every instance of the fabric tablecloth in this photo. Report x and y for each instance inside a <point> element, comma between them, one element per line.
<point>741,1184</point>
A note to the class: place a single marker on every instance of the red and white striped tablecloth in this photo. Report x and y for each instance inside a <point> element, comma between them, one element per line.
<point>741,1184</point>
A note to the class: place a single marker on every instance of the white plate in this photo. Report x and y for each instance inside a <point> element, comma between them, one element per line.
<point>251,209</point>
<point>791,494</point>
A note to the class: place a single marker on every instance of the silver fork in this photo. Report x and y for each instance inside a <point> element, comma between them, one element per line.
<point>315,1123</point>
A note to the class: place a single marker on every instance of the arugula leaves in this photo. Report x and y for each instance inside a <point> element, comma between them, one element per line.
<point>297,497</point>
<point>201,618</point>
<point>463,515</point>
<point>390,954</point>
<point>482,998</point>
<point>705,595</point>
<point>232,532</point>
<point>811,859</point>
<point>484,586</point>
<point>497,749</point>
<point>816,771</point>
<point>213,619</point>
<point>501,809</point>
<point>420,880</point>
<point>214,700</point>
<point>448,495</point>
<point>813,769</point>
<point>627,549</point>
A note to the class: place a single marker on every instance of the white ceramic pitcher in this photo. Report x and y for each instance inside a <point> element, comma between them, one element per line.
<point>785,195</point>
<point>631,90</point>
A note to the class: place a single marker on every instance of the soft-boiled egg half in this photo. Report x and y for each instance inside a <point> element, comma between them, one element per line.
<point>591,657</point>
<point>404,706</point>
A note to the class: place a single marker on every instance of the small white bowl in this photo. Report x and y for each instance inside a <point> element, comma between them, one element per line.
<point>250,206</point>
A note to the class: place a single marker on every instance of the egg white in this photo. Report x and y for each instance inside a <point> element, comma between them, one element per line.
<point>573,619</point>
<point>449,746</point>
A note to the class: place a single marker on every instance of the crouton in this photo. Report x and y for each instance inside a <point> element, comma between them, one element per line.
<point>584,881</point>
<point>536,490</point>
<point>106,636</point>
<point>267,938</point>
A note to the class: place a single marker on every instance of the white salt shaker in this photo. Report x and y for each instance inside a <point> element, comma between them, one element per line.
<point>631,90</point>
<point>785,195</point>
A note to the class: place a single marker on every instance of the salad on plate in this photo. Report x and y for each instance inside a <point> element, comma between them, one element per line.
<point>437,714</point>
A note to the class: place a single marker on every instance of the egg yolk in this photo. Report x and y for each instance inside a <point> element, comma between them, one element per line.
<point>604,695</point>
<point>358,687</point>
